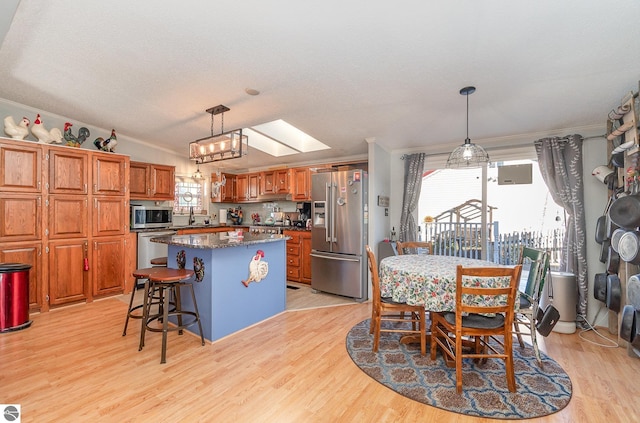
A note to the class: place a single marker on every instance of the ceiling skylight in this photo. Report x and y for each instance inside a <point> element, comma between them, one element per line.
<point>278,138</point>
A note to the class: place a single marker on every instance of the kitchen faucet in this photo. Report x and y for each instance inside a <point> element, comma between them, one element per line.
<point>192,218</point>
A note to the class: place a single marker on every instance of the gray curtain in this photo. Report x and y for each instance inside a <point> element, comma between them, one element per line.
<point>413,169</point>
<point>560,161</point>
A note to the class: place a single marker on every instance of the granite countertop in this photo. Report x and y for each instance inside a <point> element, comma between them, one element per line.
<point>196,226</point>
<point>217,240</point>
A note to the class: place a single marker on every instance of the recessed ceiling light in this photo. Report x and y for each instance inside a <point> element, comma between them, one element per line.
<point>251,91</point>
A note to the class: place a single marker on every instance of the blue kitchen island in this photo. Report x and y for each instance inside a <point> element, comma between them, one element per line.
<point>226,269</point>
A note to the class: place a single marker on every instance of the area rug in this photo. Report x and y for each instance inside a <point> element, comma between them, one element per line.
<point>401,368</point>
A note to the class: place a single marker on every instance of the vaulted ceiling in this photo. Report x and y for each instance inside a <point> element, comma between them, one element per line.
<point>342,71</point>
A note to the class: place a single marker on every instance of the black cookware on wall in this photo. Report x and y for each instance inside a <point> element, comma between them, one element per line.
<point>629,247</point>
<point>600,287</point>
<point>614,293</point>
<point>625,211</point>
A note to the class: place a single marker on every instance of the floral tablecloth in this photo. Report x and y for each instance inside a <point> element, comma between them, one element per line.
<point>429,280</point>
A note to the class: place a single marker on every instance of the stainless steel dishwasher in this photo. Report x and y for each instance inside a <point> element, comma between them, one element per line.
<point>148,250</point>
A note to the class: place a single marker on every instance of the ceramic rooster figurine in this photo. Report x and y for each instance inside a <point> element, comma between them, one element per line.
<point>19,131</point>
<point>257,269</point>
<point>72,140</point>
<point>43,135</point>
<point>107,145</point>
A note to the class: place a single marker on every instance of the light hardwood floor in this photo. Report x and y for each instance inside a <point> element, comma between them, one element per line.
<point>74,365</point>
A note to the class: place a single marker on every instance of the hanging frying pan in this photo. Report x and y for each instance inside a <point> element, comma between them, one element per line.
<point>614,293</point>
<point>613,260</point>
<point>629,247</point>
<point>633,291</point>
<point>615,238</point>
<point>604,250</point>
<point>625,211</point>
<point>628,323</point>
<point>601,229</point>
<point>635,335</point>
<point>600,287</point>
<point>602,224</point>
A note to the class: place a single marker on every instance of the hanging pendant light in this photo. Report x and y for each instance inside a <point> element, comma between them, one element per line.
<point>198,174</point>
<point>468,155</point>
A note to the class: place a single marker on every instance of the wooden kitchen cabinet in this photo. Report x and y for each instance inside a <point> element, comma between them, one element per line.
<point>27,253</point>
<point>227,191</point>
<point>109,216</point>
<point>268,182</point>
<point>21,168</point>
<point>68,171</point>
<point>301,184</point>
<point>253,186</point>
<point>68,216</point>
<point>139,177</point>
<point>247,187</point>
<point>281,181</point>
<point>68,281</point>
<point>298,256</point>
<point>148,181</point>
<point>57,204</point>
<point>305,257</point>
<point>20,217</point>
<point>274,182</point>
<point>107,265</point>
<point>242,188</point>
<point>293,256</point>
<point>109,174</point>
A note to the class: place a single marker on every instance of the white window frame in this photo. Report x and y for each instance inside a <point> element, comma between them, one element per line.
<point>198,189</point>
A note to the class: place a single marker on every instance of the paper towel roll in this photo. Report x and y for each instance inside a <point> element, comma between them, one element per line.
<point>222,217</point>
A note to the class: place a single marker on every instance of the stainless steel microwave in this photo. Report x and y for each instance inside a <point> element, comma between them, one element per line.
<point>146,217</point>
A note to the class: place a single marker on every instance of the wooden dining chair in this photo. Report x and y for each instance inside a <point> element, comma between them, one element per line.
<point>413,247</point>
<point>387,310</point>
<point>538,263</point>
<point>484,312</point>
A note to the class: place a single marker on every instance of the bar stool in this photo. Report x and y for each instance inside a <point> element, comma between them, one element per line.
<point>142,276</point>
<point>168,283</point>
<point>159,261</point>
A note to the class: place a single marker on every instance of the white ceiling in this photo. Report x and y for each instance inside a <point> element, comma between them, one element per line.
<point>342,71</point>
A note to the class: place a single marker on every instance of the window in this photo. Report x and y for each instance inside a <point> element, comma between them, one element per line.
<point>449,213</point>
<point>189,193</point>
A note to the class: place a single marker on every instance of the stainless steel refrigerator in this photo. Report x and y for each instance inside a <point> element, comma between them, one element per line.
<point>339,213</point>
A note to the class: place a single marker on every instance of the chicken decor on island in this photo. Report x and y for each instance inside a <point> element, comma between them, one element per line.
<point>107,145</point>
<point>44,135</point>
<point>258,269</point>
<point>72,140</point>
<point>19,131</point>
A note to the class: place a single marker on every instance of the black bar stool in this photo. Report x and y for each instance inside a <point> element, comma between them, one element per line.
<point>142,276</point>
<point>168,282</point>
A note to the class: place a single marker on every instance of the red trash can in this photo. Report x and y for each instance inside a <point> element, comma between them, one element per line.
<point>14,296</point>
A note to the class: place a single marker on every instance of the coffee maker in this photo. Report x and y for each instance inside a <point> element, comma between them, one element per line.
<point>304,213</point>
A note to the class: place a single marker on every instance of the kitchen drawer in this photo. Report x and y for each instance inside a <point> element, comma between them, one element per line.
<point>293,249</point>
<point>293,273</point>
<point>293,261</point>
<point>295,236</point>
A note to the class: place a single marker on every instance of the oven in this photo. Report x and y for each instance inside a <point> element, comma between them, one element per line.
<point>266,229</point>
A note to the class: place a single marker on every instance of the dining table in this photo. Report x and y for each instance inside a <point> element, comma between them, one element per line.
<point>427,280</point>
